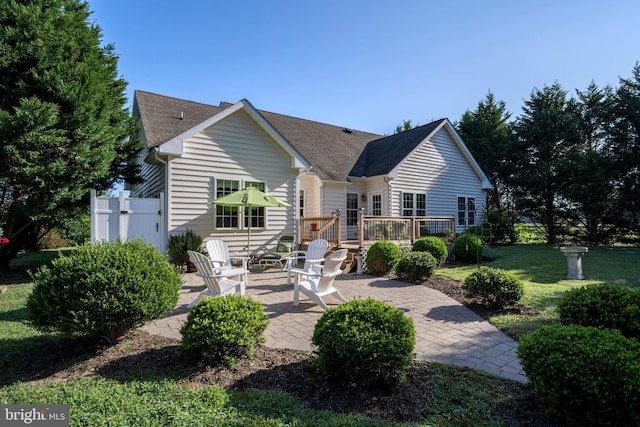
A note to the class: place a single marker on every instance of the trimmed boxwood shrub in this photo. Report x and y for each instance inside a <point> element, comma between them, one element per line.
<point>604,305</point>
<point>224,329</point>
<point>496,287</point>
<point>364,342</point>
<point>434,245</point>
<point>467,248</point>
<point>416,266</point>
<point>585,376</point>
<point>104,290</point>
<point>382,256</point>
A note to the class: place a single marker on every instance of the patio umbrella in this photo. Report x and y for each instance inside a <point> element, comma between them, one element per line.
<point>250,198</point>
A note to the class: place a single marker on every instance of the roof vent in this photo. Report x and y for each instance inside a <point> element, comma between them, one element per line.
<point>181,115</point>
<point>345,130</point>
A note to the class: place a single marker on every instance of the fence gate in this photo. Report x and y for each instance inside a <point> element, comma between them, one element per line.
<point>113,217</point>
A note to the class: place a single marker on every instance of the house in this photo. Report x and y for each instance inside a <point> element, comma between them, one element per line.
<point>196,152</point>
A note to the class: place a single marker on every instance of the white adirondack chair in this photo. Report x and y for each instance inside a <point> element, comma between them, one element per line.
<point>218,251</point>
<point>217,280</point>
<point>313,256</point>
<point>319,285</point>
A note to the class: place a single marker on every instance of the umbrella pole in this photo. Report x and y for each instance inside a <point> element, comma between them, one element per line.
<point>249,237</point>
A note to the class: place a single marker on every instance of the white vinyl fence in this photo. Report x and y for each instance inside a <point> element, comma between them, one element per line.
<point>113,217</point>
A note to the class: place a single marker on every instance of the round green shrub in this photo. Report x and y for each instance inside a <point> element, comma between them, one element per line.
<point>434,245</point>
<point>605,306</point>
<point>584,376</point>
<point>416,266</point>
<point>224,329</point>
<point>364,342</point>
<point>467,248</point>
<point>496,287</point>
<point>382,256</point>
<point>104,290</point>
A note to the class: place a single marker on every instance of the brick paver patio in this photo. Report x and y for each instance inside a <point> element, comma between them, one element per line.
<point>446,331</point>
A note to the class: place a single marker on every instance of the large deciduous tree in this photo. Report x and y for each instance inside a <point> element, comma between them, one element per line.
<point>64,128</point>
<point>546,132</point>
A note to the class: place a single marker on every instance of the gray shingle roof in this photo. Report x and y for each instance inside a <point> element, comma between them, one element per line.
<point>380,156</point>
<point>160,116</point>
<point>334,152</point>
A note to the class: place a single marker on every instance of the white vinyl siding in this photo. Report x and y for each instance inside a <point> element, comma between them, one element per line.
<point>235,148</point>
<point>437,168</point>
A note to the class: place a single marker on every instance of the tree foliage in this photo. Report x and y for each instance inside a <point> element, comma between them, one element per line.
<point>546,133</point>
<point>488,134</point>
<point>63,125</point>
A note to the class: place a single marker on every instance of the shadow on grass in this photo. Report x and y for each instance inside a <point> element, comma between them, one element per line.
<point>35,358</point>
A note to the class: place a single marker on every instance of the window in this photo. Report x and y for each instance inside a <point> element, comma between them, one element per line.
<point>407,204</point>
<point>376,204</point>
<point>257,214</point>
<point>414,204</point>
<point>352,209</point>
<point>466,211</point>
<point>421,204</point>
<point>229,216</point>
<point>301,204</point>
<point>226,216</point>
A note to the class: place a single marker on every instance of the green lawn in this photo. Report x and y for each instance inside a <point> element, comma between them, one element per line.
<point>458,397</point>
<point>543,269</point>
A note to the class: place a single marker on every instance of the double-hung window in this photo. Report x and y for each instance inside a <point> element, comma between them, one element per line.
<point>414,204</point>
<point>466,211</point>
<point>226,216</point>
<point>257,213</point>
<point>229,216</point>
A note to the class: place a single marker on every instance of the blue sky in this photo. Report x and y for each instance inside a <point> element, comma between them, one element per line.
<point>371,64</point>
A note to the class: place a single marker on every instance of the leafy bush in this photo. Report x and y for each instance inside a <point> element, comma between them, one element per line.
<point>434,245</point>
<point>496,287</point>
<point>179,244</point>
<point>104,289</point>
<point>488,254</point>
<point>366,342</point>
<point>382,256</point>
<point>605,305</point>
<point>223,329</point>
<point>584,375</point>
<point>467,248</point>
<point>502,229</point>
<point>416,266</point>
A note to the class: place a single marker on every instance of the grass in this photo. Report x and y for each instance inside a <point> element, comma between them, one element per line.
<point>459,397</point>
<point>543,269</point>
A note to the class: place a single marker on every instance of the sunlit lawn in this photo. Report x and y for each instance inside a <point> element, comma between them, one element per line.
<point>460,397</point>
<point>543,269</point>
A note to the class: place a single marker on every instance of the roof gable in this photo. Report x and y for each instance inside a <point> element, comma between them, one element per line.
<point>385,155</point>
<point>381,156</point>
<point>329,150</point>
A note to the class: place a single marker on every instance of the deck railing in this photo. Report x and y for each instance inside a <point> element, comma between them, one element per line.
<point>406,228</point>
<point>328,228</point>
<point>373,228</point>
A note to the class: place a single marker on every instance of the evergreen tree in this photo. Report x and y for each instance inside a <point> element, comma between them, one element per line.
<point>625,133</point>
<point>487,133</point>
<point>546,132</point>
<point>590,167</point>
<point>63,125</point>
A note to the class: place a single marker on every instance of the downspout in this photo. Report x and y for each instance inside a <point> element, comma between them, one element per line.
<point>166,199</point>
